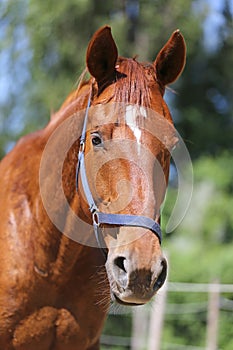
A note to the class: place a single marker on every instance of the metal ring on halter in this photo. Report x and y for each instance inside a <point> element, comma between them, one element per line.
<point>95,218</point>
<point>82,146</point>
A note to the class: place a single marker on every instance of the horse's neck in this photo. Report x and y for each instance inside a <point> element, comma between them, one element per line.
<point>59,254</point>
<point>72,248</point>
<point>65,249</point>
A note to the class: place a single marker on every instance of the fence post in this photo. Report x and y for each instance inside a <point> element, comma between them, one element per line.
<point>139,328</point>
<point>213,316</point>
<point>157,318</point>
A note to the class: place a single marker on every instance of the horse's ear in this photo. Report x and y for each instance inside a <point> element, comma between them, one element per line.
<point>170,61</point>
<point>102,55</point>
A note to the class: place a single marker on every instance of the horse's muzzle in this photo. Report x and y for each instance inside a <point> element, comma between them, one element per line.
<point>131,286</point>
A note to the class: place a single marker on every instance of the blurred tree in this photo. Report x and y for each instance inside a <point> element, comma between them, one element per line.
<point>205,102</point>
<point>56,36</point>
<point>45,44</point>
<point>14,59</point>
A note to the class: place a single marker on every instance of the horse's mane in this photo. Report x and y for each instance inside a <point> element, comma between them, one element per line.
<point>81,83</point>
<point>131,87</point>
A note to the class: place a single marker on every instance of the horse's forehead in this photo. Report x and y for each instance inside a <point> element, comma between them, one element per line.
<point>133,113</point>
<point>141,120</point>
<point>119,113</point>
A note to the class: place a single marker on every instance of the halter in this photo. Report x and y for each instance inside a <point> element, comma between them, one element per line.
<point>99,218</point>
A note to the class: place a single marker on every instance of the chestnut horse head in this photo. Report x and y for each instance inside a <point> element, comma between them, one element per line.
<point>127,134</point>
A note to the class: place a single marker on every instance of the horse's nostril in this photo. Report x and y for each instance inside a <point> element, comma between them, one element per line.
<point>162,277</point>
<point>120,262</point>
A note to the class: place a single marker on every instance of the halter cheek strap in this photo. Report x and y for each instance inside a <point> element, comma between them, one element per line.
<point>98,217</point>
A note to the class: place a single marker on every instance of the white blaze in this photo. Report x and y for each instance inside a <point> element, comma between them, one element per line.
<point>131,114</point>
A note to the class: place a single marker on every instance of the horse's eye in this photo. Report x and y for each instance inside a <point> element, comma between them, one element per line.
<point>96,140</point>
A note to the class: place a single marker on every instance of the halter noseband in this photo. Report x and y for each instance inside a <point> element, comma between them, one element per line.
<point>98,217</point>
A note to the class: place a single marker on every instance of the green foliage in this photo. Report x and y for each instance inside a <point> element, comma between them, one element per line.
<point>205,96</point>
<point>118,325</point>
<point>206,233</point>
<point>201,251</point>
<point>56,35</point>
<point>209,219</point>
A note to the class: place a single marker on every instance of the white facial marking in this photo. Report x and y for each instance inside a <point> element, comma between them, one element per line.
<point>131,114</point>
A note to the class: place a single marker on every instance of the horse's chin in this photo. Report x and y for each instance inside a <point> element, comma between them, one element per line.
<point>119,301</point>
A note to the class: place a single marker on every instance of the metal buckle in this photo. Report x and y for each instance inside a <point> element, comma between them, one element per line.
<point>95,218</point>
<point>82,146</point>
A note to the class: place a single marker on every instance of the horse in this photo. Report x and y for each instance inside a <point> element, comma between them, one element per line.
<point>81,230</point>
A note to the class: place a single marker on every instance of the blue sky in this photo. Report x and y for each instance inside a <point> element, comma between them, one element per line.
<point>213,21</point>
